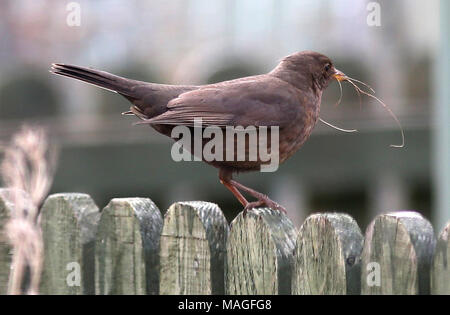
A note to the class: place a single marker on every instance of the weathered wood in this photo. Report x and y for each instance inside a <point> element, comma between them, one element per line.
<point>7,199</point>
<point>397,255</point>
<point>69,224</point>
<point>440,270</point>
<point>5,248</point>
<point>192,251</point>
<point>126,258</point>
<point>198,254</point>
<point>260,253</point>
<point>327,255</point>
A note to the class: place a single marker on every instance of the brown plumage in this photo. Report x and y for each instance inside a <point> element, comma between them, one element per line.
<point>288,97</point>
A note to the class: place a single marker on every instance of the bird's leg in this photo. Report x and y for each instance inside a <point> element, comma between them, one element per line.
<point>262,199</point>
<point>226,179</point>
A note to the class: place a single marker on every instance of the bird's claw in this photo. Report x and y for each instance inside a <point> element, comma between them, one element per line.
<point>264,202</point>
<point>275,206</point>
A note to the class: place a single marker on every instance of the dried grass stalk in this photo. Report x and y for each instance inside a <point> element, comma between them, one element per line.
<point>28,165</point>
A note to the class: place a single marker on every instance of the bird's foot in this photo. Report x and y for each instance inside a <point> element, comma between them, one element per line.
<point>252,205</point>
<point>264,202</point>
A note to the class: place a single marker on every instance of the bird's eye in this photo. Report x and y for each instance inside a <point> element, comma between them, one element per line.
<point>327,67</point>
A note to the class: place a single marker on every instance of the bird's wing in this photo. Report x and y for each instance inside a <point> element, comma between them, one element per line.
<point>249,103</point>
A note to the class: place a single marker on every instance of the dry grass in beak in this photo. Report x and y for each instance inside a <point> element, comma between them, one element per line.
<point>340,95</point>
<point>337,128</point>
<point>340,76</point>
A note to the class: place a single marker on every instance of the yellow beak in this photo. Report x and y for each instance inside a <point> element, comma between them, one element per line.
<point>339,75</point>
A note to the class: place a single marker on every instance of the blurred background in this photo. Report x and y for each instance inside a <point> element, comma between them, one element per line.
<point>398,47</point>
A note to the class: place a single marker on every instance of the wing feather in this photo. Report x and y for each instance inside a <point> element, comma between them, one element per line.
<point>262,103</point>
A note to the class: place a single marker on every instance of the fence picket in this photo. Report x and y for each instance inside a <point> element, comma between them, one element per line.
<point>440,270</point>
<point>6,206</point>
<point>327,255</point>
<point>260,253</point>
<point>397,254</point>
<point>69,223</point>
<point>193,249</point>
<point>126,260</point>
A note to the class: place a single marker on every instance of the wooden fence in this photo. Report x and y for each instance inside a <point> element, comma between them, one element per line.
<point>129,248</point>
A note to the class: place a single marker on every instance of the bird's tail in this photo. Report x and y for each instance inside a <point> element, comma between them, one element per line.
<point>98,78</point>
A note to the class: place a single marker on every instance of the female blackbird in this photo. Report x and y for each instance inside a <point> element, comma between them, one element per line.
<point>288,97</point>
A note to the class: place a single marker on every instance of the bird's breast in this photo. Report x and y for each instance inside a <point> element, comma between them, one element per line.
<point>294,136</point>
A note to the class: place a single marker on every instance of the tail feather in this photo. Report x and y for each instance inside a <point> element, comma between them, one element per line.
<point>98,78</point>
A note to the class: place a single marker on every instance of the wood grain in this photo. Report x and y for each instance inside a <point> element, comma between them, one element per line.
<point>126,260</point>
<point>69,223</point>
<point>260,253</point>
<point>6,206</point>
<point>440,271</point>
<point>193,249</point>
<point>398,250</point>
<point>327,255</point>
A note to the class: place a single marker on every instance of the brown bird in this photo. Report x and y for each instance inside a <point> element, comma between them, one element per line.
<point>288,97</point>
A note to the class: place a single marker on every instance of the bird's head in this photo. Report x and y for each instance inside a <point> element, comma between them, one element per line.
<point>309,68</point>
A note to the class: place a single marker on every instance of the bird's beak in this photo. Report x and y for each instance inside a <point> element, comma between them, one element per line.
<point>339,75</point>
